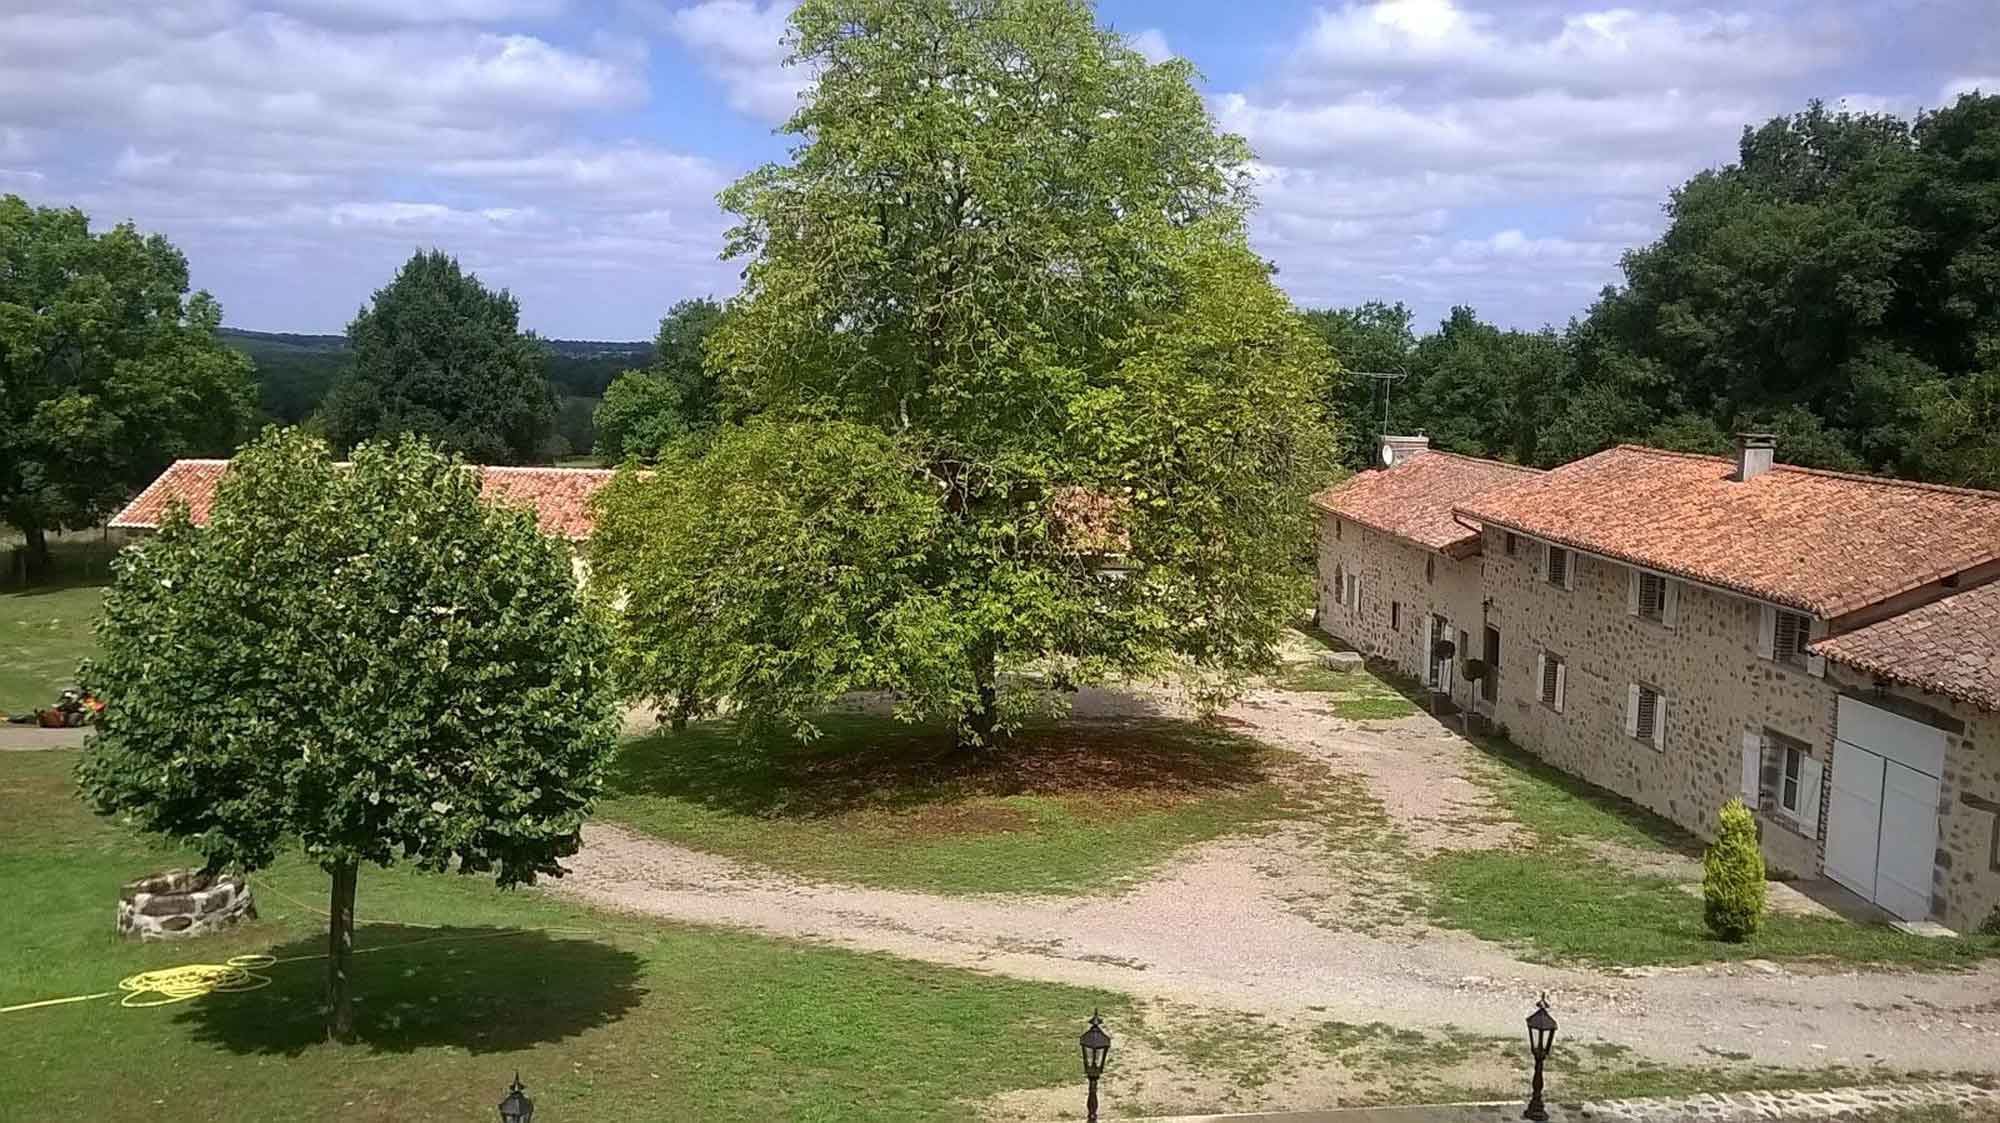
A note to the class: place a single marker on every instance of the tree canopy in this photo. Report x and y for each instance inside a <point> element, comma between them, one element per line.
<point>674,397</point>
<point>108,369</point>
<point>368,661</point>
<point>440,355</point>
<point>1008,255</point>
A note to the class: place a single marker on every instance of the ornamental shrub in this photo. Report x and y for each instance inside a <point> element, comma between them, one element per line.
<point>1732,876</point>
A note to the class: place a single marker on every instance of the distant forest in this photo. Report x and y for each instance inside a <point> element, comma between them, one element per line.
<point>295,371</point>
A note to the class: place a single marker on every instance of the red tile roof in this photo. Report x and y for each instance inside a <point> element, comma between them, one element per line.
<point>1949,647</point>
<point>1414,499</point>
<point>1824,542</point>
<point>560,496</point>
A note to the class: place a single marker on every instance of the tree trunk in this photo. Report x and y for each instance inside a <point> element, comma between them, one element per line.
<point>340,955</point>
<point>981,723</point>
<point>37,558</point>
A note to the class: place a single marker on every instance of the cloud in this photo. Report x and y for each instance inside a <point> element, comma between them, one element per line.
<point>1958,86</point>
<point>1152,43</point>
<point>741,43</point>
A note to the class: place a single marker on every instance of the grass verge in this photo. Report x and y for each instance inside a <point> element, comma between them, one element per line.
<point>1064,808</point>
<point>45,631</point>
<point>605,1017</point>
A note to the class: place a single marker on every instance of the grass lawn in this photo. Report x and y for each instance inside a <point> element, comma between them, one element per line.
<point>45,630</point>
<point>1066,807</point>
<point>605,1017</point>
<point>1355,695</point>
<point>1558,900</point>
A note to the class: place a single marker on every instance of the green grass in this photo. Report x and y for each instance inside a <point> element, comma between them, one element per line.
<point>606,1017</point>
<point>1063,808</point>
<point>1555,900</point>
<point>45,630</point>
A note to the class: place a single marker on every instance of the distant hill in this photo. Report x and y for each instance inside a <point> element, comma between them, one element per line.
<point>295,371</point>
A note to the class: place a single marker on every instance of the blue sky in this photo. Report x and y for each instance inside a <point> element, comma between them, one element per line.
<point>1497,153</point>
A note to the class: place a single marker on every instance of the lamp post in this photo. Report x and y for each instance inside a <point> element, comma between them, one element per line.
<point>1541,1038</point>
<point>517,1107</point>
<point>1096,1045</point>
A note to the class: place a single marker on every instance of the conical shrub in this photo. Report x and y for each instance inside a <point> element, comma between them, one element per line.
<point>1732,876</point>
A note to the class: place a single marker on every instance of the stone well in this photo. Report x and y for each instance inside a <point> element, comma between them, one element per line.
<point>177,904</point>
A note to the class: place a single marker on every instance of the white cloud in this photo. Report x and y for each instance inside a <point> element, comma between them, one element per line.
<point>1952,89</point>
<point>1152,43</point>
<point>741,43</point>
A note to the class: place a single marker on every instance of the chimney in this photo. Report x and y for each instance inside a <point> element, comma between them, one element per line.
<point>1754,452</point>
<point>1395,449</point>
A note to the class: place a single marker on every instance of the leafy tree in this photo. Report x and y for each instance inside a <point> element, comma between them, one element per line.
<point>1484,391</point>
<point>1732,876</point>
<point>441,355</point>
<point>649,409</point>
<point>1015,253</point>
<point>108,369</point>
<point>1372,337</point>
<point>369,660</point>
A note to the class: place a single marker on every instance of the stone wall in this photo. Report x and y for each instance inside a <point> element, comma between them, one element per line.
<point>1422,581</point>
<point>1706,666</point>
<point>178,904</point>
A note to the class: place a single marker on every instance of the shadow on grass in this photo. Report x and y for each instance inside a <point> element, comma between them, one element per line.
<point>1558,806</point>
<point>481,989</point>
<point>868,762</point>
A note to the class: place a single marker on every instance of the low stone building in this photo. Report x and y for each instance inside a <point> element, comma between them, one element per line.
<point>1662,623</point>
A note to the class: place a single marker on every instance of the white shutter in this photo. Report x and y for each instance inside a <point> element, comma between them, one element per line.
<point>1816,664</point>
<point>1632,591</point>
<point>1753,766</point>
<point>1670,611</point>
<point>1541,672</point>
<point>1811,772</point>
<point>1569,570</point>
<point>1660,721</point>
<point>1562,683</point>
<point>1632,710</point>
<point>1429,663</point>
<point>1767,629</point>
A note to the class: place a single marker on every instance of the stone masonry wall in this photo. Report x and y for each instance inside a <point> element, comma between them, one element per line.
<point>1706,666</point>
<point>1965,882</point>
<point>1393,570</point>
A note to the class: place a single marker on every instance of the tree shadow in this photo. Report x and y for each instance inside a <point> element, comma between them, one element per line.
<point>481,989</point>
<point>871,762</point>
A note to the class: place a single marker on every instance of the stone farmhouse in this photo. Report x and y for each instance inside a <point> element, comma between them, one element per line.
<point>1686,629</point>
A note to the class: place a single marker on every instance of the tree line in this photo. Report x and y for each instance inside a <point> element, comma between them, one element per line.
<point>1839,285</point>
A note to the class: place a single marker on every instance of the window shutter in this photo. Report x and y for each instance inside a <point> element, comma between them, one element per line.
<point>1659,721</point>
<point>1430,663</point>
<point>1670,611</point>
<point>1753,766</point>
<point>1569,569</point>
<point>1632,710</point>
<point>1767,632</point>
<point>1632,592</point>
<point>1541,672</point>
<point>1815,664</point>
<point>1562,682</point>
<point>1811,772</point>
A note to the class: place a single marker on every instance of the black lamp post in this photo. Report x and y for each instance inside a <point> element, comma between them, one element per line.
<point>1541,1038</point>
<point>517,1107</point>
<point>1096,1046</point>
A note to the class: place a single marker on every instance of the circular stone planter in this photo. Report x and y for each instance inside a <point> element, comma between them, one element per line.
<point>178,904</point>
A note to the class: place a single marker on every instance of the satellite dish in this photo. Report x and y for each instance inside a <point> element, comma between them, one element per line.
<point>1388,456</point>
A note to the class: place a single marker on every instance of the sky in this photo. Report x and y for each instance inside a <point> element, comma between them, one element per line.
<point>1496,153</point>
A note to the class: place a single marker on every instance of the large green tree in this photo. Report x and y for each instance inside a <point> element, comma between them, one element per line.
<point>1013,253</point>
<point>439,354</point>
<point>367,661</point>
<point>675,397</point>
<point>109,369</point>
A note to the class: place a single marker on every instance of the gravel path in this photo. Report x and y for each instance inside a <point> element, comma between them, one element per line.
<point>1243,925</point>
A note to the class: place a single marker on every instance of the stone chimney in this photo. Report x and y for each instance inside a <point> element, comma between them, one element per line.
<point>1395,449</point>
<point>1754,453</point>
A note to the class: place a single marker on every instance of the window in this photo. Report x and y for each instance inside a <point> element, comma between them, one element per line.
<point>1395,616</point>
<point>1788,784</point>
<point>1558,566</point>
<point>1552,675</point>
<point>1652,597</point>
<point>1430,570</point>
<point>1336,530</point>
<point>1646,714</point>
<point>1790,632</point>
<point>1513,544</point>
<point>1339,585</point>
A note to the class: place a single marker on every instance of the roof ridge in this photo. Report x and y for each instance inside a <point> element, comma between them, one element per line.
<point>1474,460</point>
<point>1829,473</point>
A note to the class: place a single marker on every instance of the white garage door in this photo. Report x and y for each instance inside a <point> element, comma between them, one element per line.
<point>1881,836</point>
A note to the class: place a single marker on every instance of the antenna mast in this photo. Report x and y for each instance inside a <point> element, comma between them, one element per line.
<point>1387,379</point>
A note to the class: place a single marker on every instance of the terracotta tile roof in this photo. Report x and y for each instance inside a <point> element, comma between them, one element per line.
<point>1949,647</point>
<point>1824,542</point>
<point>1414,500</point>
<point>559,496</point>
